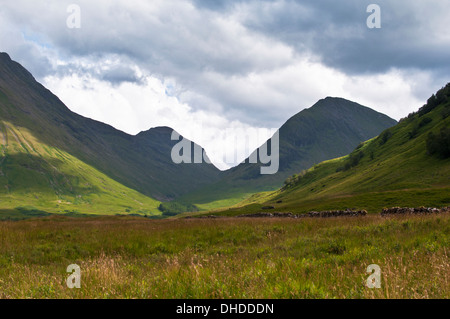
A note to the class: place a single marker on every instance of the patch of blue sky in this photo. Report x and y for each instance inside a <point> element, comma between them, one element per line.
<point>37,39</point>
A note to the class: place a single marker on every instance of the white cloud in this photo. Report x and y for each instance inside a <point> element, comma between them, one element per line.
<point>133,107</point>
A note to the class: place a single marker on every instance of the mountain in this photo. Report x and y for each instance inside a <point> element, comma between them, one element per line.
<point>141,163</point>
<point>407,165</point>
<point>331,128</point>
<point>37,178</point>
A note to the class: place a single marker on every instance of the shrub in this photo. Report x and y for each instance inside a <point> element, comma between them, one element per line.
<point>439,144</point>
<point>360,145</point>
<point>174,208</point>
<point>336,248</point>
<point>294,179</point>
<point>442,96</point>
<point>352,161</point>
<point>412,134</point>
<point>385,136</point>
<point>425,121</point>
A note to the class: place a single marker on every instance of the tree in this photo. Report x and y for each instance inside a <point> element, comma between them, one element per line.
<point>439,144</point>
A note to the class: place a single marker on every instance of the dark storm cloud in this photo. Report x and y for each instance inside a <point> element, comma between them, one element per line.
<point>338,33</point>
<point>220,52</point>
<point>121,74</point>
<point>335,31</point>
<point>218,5</point>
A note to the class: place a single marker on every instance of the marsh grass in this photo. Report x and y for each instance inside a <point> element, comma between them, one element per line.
<point>225,258</point>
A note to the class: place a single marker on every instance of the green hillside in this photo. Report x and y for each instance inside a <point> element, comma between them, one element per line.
<point>331,128</point>
<point>36,179</point>
<point>406,165</point>
<point>141,162</point>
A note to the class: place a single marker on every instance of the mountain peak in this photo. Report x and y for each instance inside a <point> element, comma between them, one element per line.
<point>10,70</point>
<point>5,56</point>
<point>340,108</point>
<point>159,130</point>
<point>333,100</point>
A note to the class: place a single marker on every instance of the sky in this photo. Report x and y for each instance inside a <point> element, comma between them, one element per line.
<point>214,69</point>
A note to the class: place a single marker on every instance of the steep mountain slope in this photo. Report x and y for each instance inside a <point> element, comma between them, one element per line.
<point>406,165</point>
<point>141,162</point>
<point>332,127</point>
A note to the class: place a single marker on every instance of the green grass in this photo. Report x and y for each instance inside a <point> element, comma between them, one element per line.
<point>226,258</point>
<point>52,181</point>
<point>217,197</point>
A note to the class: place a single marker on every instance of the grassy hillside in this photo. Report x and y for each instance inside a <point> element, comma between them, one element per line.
<point>406,165</point>
<point>331,128</point>
<point>37,179</point>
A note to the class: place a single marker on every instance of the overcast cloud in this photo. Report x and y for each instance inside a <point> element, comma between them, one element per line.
<point>202,67</point>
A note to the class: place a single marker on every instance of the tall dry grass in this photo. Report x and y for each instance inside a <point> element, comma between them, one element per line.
<point>226,258</point>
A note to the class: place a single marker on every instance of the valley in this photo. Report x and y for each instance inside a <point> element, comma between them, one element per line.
<point>397,168</point>
<point>77,191</point>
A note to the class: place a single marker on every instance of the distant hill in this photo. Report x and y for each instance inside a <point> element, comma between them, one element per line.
<point>406,165</point>
<point>142,163</point>
<point>331,128</point>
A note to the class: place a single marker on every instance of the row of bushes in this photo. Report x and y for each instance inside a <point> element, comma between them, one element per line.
<point>441,97</point>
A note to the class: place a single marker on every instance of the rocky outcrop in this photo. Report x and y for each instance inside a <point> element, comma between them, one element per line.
<point>338,213</point>
<point>268,215</point>
<point>413,211</point>
<point>324,214</point>
<point>202,217</point>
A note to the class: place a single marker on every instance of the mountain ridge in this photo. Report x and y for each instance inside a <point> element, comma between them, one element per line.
<point>330,128</point>
<point>135,161</point>
<point>407,165</point>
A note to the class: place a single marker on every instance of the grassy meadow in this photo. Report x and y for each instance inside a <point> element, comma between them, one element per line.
<point>123,257</point>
